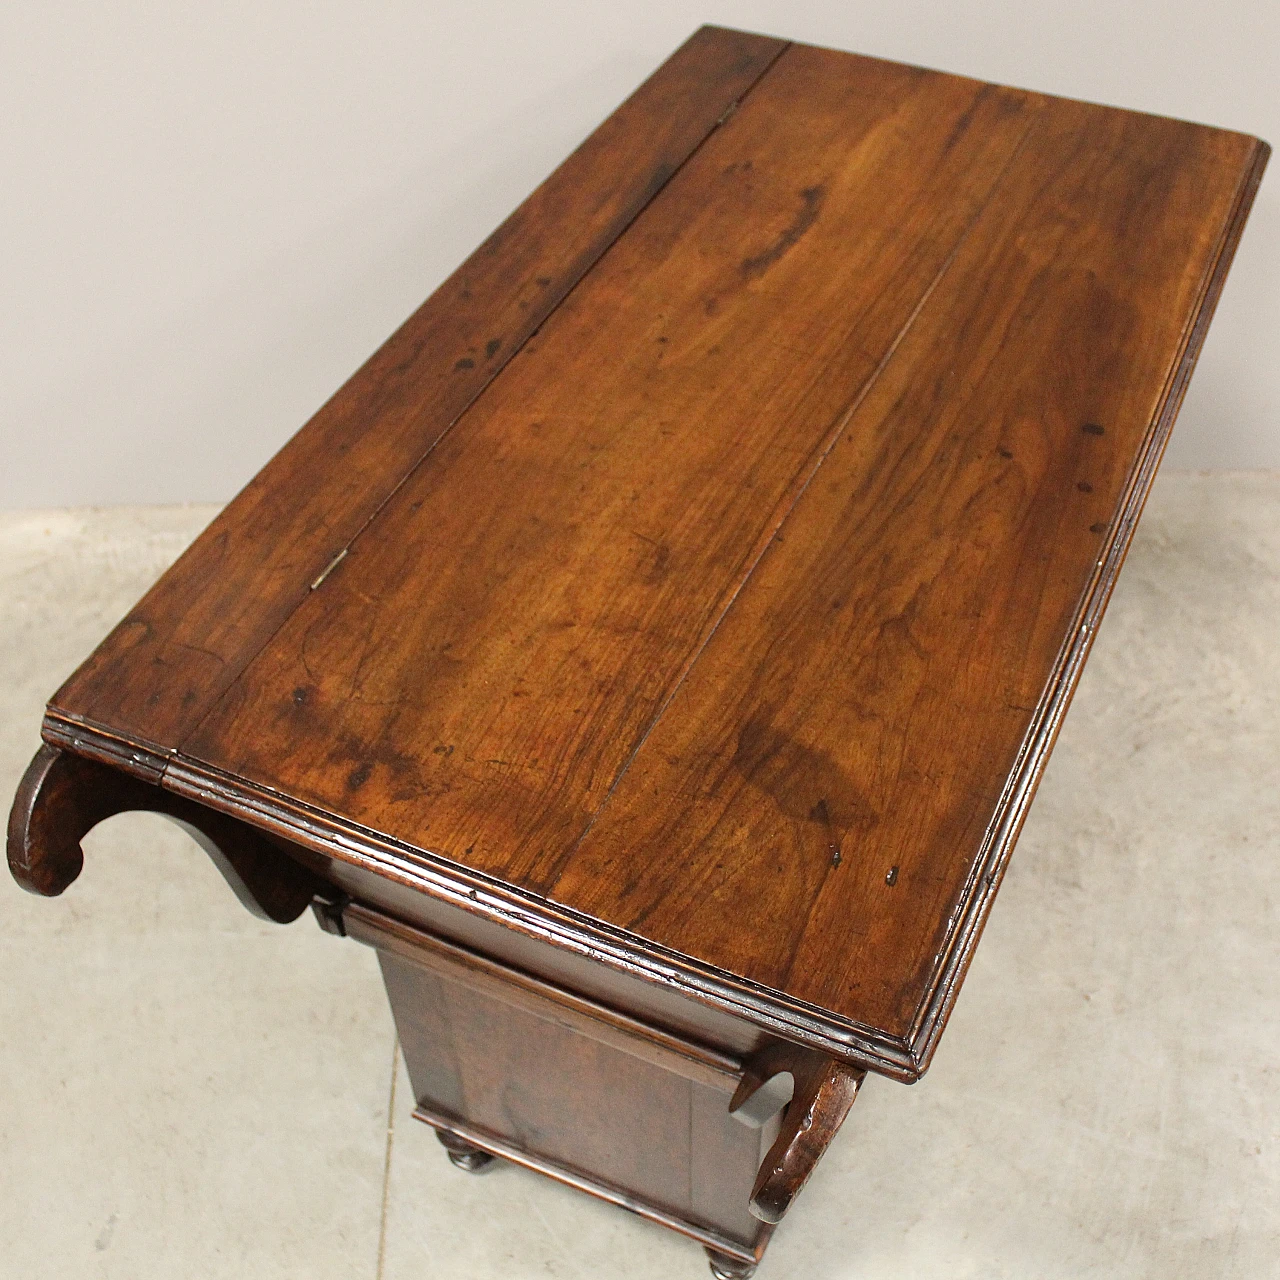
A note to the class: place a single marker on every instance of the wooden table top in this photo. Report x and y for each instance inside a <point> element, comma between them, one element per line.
<point>701,574</point>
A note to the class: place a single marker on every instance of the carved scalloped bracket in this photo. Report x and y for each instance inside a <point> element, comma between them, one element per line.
<point>62,797</point>
<point>822,1092</point>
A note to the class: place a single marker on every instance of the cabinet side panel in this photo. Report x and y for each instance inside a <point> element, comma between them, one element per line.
<point>421,1012</point>
<point>726,1156</point>
<point>530,1079</point>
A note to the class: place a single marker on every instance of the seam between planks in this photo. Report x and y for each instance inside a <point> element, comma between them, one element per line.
<point>725,115</point>
<point>824,449</point>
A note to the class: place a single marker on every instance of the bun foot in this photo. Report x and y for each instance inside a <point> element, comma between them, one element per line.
<point>723,1267</point>
<point>463,1154</point>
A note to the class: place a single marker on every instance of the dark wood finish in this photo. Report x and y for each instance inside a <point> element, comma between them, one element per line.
<point>712,1241</point>
<point>870,720</point>
<point>614,1106</point>
<point>546,579</point>
<point>827,465</point>
<point>822,1093</point>
<point>196,631</point>
<point>654,649</point>
<point>463,1154</point>
<point>459,918</point>
<point>62,797</point>
<point>534,993</point>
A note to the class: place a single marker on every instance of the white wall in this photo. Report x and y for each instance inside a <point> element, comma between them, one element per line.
<point>211,213</point>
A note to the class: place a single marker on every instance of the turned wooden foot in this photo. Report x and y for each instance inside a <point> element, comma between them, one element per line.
<point>463,1154</point>
<point>724,1267</point>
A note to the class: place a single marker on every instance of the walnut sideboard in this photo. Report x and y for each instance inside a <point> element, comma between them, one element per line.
<point>654,648</point>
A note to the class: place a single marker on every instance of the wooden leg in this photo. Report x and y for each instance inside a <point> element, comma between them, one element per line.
<point>463,1154</point>
<point>724,1267</point>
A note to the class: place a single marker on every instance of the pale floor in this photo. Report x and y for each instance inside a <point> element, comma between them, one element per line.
<point>188,1092</point>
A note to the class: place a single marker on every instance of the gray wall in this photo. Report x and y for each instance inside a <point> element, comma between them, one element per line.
<point>212,213</point>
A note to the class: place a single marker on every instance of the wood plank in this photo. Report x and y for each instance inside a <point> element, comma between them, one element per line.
<point>193,634</point>
<point>562,1096</point>
<point>842,772</point>
<point>420,1006</point>
<point>719,635</point>
<point>476,673</point>
<point>724,1159</point>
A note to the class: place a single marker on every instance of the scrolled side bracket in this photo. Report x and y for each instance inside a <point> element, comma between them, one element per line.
<point>62,797</point>
<point>822,1093</point>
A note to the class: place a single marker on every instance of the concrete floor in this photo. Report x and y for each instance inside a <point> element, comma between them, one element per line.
<point>188,1092</point>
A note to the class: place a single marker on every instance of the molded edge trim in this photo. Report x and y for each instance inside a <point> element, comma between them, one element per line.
<point>542,998</point>
<point>904,1059</point>
<point>536,917</point>
<point>63,796</point>
<point>81,737</point>
<point>1002,834</point>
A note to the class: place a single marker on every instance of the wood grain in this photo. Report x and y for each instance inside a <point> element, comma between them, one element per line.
<point>823,1091</point>
<point>850,735</point>
<point>717,1245</point>
<point>192,635</point>
<point>494,1052</point>
<point>718,629</point>
<point>480,669</point>
<point>531,993</point>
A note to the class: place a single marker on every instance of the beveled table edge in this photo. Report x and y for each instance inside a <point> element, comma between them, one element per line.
<point>902,1058</point>
<point>1042,733</point>
<point>527,913</point>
